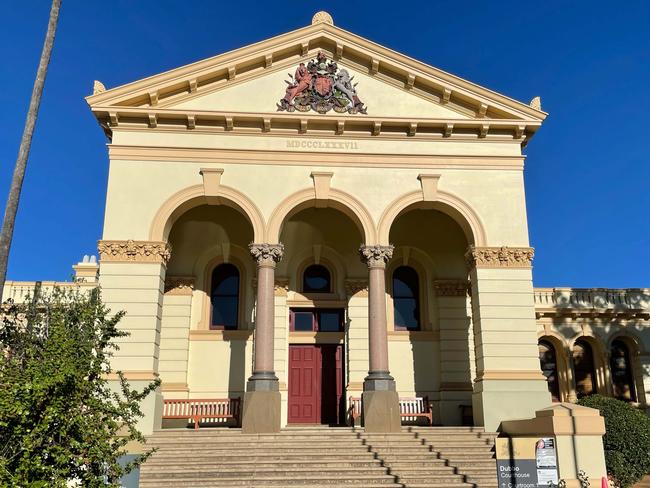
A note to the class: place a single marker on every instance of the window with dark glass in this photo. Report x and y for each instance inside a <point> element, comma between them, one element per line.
<point>406,298</point>
<point>548,363</point>
<point>316,279</point>
<point>224,296</point>
<point>622,378</point>
<point>316,320</point>
<point>583,365</point>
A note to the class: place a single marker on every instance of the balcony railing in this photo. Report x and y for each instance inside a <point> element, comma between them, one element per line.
<point>20,291</point>
<point>611,300</point>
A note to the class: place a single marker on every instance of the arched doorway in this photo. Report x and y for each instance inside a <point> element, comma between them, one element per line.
<point>206,335</point>
<point>584,368</point>
<point>430,339</point>
<point>622,374</point>
<point>320,254</point>
<point>549,366</point>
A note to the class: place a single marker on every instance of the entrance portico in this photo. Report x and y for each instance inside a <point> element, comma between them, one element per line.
<point>228,193</point>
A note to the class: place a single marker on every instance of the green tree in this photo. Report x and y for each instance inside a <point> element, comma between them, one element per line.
<point>627,440</point>
<point>60,419</point>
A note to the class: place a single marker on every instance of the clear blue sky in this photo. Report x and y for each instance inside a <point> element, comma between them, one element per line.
<point>587,171</point>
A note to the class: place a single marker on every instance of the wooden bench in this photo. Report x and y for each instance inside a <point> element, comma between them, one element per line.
<point>202,410</point>
<point>410,408</point>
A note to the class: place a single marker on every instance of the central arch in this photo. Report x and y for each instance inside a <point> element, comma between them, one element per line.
<point>337,199</point>
<point>457,209</point>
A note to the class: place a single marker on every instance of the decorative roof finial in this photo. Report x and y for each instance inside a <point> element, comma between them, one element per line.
<point>98,87</point>
<point>536,103</point>
<point>322,17</point>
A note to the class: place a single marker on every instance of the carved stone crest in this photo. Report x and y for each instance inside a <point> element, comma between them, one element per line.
<point>321,86</point>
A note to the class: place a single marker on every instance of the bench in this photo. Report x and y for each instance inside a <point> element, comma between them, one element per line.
<point>202,410</point>
<point>410,408</point>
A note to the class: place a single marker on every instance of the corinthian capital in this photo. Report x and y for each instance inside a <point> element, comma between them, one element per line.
<point>376,256</point>
<point>266,254</point>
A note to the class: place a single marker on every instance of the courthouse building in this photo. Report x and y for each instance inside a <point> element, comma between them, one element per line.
<point>316,217</point>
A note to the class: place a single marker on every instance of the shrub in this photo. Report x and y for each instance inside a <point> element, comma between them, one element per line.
<point>627,440</point>
<point>60,420</point>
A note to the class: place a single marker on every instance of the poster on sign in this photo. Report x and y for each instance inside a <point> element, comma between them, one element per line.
<point>546,461</point>
<point>526,462</point>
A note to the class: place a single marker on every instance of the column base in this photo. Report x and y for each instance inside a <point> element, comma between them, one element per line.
<point>494,401</point>
<point>379,381</point>
<point>381,411</point>
<point>263,381</point>
<point>261,412</point>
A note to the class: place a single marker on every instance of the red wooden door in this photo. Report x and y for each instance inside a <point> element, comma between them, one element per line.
<point>304,384</point>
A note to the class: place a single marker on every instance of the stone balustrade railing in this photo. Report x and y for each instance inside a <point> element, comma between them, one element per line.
<point>613,300</point>
<point>20,291</point>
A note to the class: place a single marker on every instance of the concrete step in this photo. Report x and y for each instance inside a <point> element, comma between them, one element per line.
<point>329,479</point>
<point>315,456</point>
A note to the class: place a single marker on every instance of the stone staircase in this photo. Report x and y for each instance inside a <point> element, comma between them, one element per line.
<point>315,456</point>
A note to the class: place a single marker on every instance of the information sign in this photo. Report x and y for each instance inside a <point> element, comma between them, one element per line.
<point>526,462</point>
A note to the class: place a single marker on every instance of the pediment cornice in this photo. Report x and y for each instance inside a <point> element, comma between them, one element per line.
<point>153,98</point>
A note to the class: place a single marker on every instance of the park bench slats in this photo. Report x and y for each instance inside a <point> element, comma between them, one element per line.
<point>410,408</point>
<point>202,410</point>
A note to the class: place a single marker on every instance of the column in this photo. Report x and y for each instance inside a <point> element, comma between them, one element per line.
<point>380,400</point>
<point>509,383</point>
<point>132,277</point>
<point>261,409</point>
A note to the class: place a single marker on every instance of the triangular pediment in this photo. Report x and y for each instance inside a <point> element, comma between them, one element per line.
<point>250,81</point>
<point>262,94</point>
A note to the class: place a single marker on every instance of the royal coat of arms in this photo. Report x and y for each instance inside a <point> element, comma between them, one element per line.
<point>321,86</point>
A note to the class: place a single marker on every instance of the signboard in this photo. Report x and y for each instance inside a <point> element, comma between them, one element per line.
<point>526,462</point>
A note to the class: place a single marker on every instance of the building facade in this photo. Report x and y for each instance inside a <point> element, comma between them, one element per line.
<point>358,231</point>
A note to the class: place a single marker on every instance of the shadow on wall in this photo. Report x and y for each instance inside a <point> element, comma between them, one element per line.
<point>237,371</point>
<point>424,365</point>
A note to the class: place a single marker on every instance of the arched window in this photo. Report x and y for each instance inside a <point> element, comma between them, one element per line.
<point>622,377</point>
<point>548,363</point>
<point>224,297</point>
<point>406,298</point>
<point>316,279</point>
<point>583,364</point>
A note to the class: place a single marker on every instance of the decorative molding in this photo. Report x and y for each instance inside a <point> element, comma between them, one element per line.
<point>133,376</point>
<point>281,287</point>
<point>211,180</point>
<point>322,181</point>
<point>322,17</point>
<point>413,335</point>
<point>134,251</point>
<point>536,103</point>
<point>98,87</point>
<point>510,375</point>
<point>429,186</point>
<point>267,254</point>
<point>376,256</point>
<point>499,257</point>
<point>356,287</point>
<point>179,285</point>
<point>221,335</point>
<point>174,387</point>
<point>451,288</point>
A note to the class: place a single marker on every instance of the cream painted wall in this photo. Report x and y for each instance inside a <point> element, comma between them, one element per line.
<point>139,189</point>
